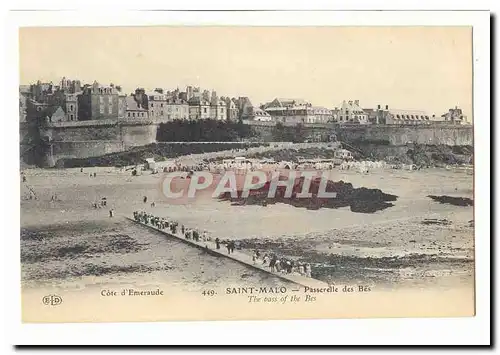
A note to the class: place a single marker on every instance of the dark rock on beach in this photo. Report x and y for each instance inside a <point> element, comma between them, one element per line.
<point>455,201</point>
<point>360,200</point>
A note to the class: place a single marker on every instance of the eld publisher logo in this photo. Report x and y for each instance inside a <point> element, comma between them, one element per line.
<point>52,300</point>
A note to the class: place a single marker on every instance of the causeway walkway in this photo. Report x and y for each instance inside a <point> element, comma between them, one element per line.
<point>239,257</point>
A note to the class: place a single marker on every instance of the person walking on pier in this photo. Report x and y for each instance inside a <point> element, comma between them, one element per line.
<point>307,269</point>
<point>277,265</point>
<point>217,243</point>
<point>228,246</point>
<point>272,263</point>
<point>264,260</point>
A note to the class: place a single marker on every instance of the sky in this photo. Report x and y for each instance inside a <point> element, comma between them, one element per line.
<point>423,68</point>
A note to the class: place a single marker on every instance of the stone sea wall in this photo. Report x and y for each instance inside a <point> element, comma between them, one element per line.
<point>84,139</point>
<point>434,134</point>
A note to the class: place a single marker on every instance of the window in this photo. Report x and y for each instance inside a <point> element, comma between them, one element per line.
<point>204,110</point>
<point>101,109</point>
<point>101,99</point>
<point>71,107</point>
<point>151,104</point>
<point>128,114</point>
<point>133,114</point>
<point>71,117</point>
<point>161,105</point>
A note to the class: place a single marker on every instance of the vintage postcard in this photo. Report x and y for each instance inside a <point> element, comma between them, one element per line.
<point>173,173</point>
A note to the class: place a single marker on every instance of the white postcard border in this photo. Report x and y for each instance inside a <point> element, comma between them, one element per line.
<point>353,331</point>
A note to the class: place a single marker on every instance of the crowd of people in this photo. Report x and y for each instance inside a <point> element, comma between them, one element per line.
<point>270,260</point>
<point>160,223</point>
<point>283,265</point>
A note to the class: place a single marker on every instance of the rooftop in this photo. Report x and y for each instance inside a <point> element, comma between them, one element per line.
<point>133,105</point>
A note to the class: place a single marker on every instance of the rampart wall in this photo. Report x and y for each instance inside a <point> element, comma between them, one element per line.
<point>85,139</point>
<point>393,134</point>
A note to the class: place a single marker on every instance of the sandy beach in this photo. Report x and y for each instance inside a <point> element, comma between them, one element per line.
<point>416,243</point>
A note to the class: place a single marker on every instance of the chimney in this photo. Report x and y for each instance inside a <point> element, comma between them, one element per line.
<point>356,102</point>
<point>386,107</point>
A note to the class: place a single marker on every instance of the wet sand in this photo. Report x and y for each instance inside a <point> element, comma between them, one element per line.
<point>389,248</point>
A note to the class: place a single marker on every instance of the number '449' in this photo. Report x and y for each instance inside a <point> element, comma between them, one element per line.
<point>208,293</point>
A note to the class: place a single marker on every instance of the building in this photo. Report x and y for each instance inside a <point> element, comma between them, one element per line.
<point>231,109</point>
<point>260,115</point>
<point>23,102</point>
<point>402,116</point>
<point>156,102</point>
<point>351,112</point>
<point>412,117</point>
<point>318,114</point>
<point>455,116</point>
<point>335,114</point>
<point>244,107</point>
<point>98,102</point>
<point>134,110</point>
<point>288,110</point>
<point>67,101</point>
<point>40,91</point>
<point>192,92</point>
<point>35,110</point>
<point>122,105</point>
<point>297,111</point>
<point>371,113</point>
<point>25,90</point>
<point>54,114</point>
<point>70,86</point>
<point>177,109</point>
<point>199,109</point>
<point>218,108</point>
<point>71,107</point>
